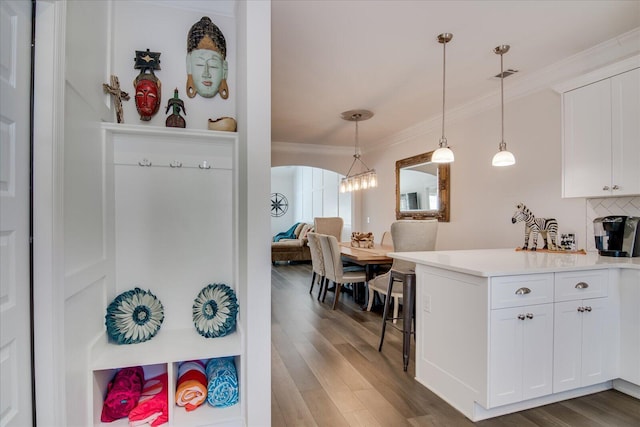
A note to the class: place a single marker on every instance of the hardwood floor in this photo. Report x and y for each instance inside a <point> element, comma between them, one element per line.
<point>327,371</point>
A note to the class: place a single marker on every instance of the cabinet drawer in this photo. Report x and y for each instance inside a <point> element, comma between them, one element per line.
<point>572,285</point>
<point>516,291</point>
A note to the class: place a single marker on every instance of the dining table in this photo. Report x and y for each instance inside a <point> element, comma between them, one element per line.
<point>372,259</point>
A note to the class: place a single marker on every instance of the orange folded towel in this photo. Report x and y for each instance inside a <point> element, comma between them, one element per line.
<point>191,389</point>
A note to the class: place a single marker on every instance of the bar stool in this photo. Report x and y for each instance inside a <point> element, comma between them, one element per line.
<point>408,279</point>
<point>408,236</point>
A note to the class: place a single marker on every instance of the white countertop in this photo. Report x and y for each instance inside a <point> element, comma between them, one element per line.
<point>504,262</point>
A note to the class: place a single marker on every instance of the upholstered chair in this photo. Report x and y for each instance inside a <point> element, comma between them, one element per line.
<point>333,267</point>
<point>317,262</point>
<point>329,225</point>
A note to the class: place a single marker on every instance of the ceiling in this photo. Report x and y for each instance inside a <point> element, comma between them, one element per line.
<point>332,56</point>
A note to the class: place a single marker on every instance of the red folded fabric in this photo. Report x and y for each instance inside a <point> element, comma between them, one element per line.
<point>123,393</point>
<point>153,407</point>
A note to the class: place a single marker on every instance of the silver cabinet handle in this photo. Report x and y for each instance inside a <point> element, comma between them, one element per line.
<point>587,308</point>
<point>523,291</point>
<point>175,164</point>
<point>605,188</point>
<point>582,285</point>
<point>616,187</point>
<point>521,316</point>
<point>145,162</point>
<point>581,309</point>
<point>529,315</point>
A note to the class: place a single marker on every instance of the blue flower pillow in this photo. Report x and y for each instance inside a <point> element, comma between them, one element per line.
<point>215,310</point>
<point>134,316</point>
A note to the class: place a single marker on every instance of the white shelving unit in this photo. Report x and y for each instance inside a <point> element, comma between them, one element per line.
<point>173,195</point>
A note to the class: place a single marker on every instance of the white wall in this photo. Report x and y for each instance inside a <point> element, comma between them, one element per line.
<point>483,198</point>
<point>145,25</point>
<point>311,192</point>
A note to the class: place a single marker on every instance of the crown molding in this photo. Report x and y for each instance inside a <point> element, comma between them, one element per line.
<point>300,148</point>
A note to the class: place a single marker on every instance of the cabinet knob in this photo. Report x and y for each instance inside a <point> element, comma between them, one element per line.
<point>523,291</point>
<point>529,315</point>
<point>616,187</point>
<point>587,308</point>
<point>145,162</point>
<point>605,188</point>
<point>175,164</point>
<point>521,316</point>
<point>582,285</point>
<point>581,309</point>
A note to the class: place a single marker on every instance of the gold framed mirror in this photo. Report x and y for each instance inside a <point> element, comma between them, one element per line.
<point>422,188</point>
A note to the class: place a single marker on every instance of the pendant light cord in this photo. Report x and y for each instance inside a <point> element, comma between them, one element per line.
<point>502,96</point>
<point>444,62</point>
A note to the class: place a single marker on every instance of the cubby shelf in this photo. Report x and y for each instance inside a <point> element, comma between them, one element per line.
<point>166,347</point>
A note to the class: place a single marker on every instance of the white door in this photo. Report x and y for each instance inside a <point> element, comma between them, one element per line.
<point>15,326</point>
<point>537,357</point>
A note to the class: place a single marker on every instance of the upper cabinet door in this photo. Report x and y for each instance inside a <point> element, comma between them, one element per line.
<point>601,137</point>
<point>586,147</point>
<point>625,133</point>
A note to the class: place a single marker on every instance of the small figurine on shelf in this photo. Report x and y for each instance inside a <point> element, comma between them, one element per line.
<point>148,86</point>
<point>227,124</point>
<point>206,60</point>
<point>118,95</point>
<point>547,227</point>
<point>175,120</point>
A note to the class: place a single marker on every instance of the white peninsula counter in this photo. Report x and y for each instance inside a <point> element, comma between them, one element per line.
<point>499,331</point>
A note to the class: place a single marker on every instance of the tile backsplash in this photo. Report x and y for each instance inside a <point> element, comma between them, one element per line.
<point>609,206</point>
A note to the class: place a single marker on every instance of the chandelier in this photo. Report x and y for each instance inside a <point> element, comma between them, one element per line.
<point>366,178</point>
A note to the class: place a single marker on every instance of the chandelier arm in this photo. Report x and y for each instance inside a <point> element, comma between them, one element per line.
<point>355,159</point>
<point>365,165</point>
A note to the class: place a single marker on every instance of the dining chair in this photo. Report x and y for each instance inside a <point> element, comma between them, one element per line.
<point>408,236</point>
<point>380,283</point>
<point>334,271</point>
<point>317,262</point>
<point>329,225</point>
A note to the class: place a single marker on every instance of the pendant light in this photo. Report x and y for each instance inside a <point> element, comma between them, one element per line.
<point>443,154</point>
<point>503,157</point>
<point>366,178</point>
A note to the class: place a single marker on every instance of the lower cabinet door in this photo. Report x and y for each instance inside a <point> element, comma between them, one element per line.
<point>521,352</point>
<point>584,344</point>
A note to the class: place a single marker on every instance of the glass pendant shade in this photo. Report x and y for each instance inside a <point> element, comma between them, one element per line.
<point>503,158</point>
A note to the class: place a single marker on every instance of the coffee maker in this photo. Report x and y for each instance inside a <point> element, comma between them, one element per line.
<point>617,235</point>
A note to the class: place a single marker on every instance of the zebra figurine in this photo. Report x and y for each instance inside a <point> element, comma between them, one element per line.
<point>548,227</point>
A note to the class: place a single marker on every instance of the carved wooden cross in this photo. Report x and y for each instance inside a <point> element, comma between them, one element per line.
<point>118,96</point>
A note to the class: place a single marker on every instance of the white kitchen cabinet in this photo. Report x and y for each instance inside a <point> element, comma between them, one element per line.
<point>584,343</point>
<point>601,131</point>
<point>499,331</point>
<point>521,353</point>
<point>520,338</point>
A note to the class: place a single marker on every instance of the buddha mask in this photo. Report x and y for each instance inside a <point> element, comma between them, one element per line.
<point>206,60</point>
